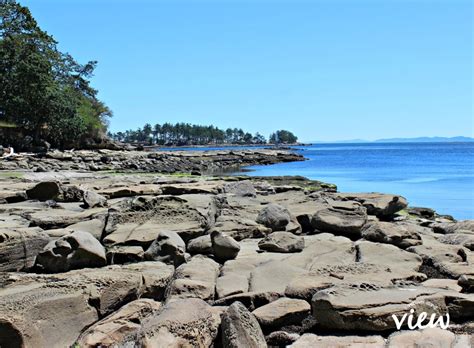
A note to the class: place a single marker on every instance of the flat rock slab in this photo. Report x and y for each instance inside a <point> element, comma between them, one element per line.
<point>369,307</point>
<point>284,311</point>
<point>317,341</point>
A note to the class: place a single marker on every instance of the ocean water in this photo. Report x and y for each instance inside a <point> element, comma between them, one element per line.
<point>435,175</point>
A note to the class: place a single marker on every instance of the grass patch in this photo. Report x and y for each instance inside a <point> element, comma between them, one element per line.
<point>11,175</point>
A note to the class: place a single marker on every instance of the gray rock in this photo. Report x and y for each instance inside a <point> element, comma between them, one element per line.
<point>44,191</point>
<point>186,323</point>
<point>196,278</point>
<point>390,233</point>
<point>224,247</point>
<point>200,245</point>
<point>453,227</point>
<point>379,204</point>
<point>341,218</point>
<point>76,250</point>
<point>93,199</point>
<point>241,189</point>
<point>274,216</point>
<point>117,328</point>
<point>312,340</point>
<point>282,242</point>
<point>240,328</point>
<point>124,254</point>
<point>282,312</point>
<point>432,337</point>
<point>20,246</point>
<point>168,247</point>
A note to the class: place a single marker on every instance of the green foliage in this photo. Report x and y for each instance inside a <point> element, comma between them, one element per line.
<point>43,91</point>
<point>187,134</point>
<point>283,137</point>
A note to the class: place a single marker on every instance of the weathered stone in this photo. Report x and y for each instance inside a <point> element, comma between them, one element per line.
<point>432,337</point>
<point>241,188</point>
<point>284,311</point>
<point>117,328</point>
<point>453,227</point>
<point>77,250</point>
<point>224,247</point>
<point>124,254</point>
<point>379,204</point>
<point>93,199</point>
<point>390,233</point>
<point>342,218</point>
<point>200,245</point>
<point>240,328</point>
<point>168,247</point>
<point>282,242</point>
<point>185,323</point>
<point>366,306</point>
<point>20,246</point>
<point>274,216</point>
<point>197,278</point>
<point>312,340</point>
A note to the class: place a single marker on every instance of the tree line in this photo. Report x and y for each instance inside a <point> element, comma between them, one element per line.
<point>45,94</point>
<point>181,134</point>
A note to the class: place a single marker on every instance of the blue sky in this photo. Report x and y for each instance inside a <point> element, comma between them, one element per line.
<point>326,70</point>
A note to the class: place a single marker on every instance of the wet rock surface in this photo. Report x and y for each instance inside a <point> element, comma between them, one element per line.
<point>153,259</point>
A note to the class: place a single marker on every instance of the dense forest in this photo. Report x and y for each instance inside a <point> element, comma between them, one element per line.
<point>181,134</point>
<point>45,95</point>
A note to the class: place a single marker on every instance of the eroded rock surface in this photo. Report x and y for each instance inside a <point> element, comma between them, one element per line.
<point>159,260</point>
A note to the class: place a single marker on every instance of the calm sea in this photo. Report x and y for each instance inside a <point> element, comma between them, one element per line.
<point>435,175</point>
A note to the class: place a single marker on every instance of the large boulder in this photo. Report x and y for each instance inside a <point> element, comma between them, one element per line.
<point>390,233</point>
<point>200,245</point>
<point>186,323</point>
<point>224,247</point>
<point>365,306</point>
<point>282,242</point>
<point>454,227</point>
<point>196,278</point>
<point>117,328</point>
<point>168,247</point>
<point>341,218</point>
<point>274,216</point>
<point>76,250</point>
<point>240,328</point>
<point>20,246</point>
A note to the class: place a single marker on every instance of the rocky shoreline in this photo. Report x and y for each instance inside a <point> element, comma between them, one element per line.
<point>147,161</point>
<point>122,249</point>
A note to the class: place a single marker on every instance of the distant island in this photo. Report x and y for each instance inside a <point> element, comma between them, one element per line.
<point>459,139</point>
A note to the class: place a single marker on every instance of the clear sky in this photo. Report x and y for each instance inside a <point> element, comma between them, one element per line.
<point>326,70</point>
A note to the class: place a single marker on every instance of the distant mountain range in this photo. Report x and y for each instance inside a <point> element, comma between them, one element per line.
<point>406,140</point>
